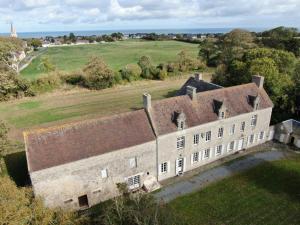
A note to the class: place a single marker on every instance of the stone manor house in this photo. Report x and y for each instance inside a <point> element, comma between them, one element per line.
<point>78,165</point>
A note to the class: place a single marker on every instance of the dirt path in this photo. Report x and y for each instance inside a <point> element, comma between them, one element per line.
<point>199,181</point>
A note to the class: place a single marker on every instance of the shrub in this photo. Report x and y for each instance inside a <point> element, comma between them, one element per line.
<point>97,74</point>
<point>131,72</point>
<point>162,75</point>
<point>74,78</point>
<point>46,83</point>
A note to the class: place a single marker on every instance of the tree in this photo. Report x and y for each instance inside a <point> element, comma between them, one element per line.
<point>3,139</point>
<point>209,51</point>
<point>281,33</point>
<point>72,37</point>
<point>7,47</point>
<point>97,74</point>
<point>46,65</point>
<point>148,70</point>
<point>36,43</point>
<point>18,206</point>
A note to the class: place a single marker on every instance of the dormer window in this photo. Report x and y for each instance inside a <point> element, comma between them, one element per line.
<point>220,109</point>
<point>180,120</point>
<point>254,102</point>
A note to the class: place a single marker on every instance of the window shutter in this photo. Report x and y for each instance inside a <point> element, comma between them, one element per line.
<point>192,158</point>
<point>184,163</point>
<point>159,169</point>
<point>104,173</point>
<point>168,166</point>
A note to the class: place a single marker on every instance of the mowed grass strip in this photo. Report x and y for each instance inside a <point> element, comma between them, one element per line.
<point>267,194</point>
<point>75,105</point>
<point>115,54</point>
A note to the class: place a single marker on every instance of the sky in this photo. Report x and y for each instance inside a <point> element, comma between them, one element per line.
<point>64,15</point>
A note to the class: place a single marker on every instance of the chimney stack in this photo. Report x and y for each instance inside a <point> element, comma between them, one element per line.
<point>191,91</point>
<point>198,76</point>
<point>147,101</point>
<point>258,80</point>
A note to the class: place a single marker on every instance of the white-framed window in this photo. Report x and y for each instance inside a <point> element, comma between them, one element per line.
<point>104,173</point>
<point>133,182</point>
<point>230,146</point>
<point>251,139</point>
<point>219,149</point>
<point>220,132</point>
<point>222,115</point>
<point>232,129</point>
<point>243,125</point>
<point>195,157</point>
<point>180,142</point>
<point>253,120</point>
<point>181,125</point>
<point>208,136</point>
<point>164,167</point>
<point>132,162</point>
<point>261,135</point>
<point>196,139</point>
<point>206,153</point>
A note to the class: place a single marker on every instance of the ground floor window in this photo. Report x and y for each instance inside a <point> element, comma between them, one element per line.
<point>231,146</point>
<point>251,139</point>
<point>206,153</point>
<point>261,135</point>
<point>83,201</point>
<point>133,182</point>
<point>195,157</point>
<point>164,167</point>
<point>219,149</point>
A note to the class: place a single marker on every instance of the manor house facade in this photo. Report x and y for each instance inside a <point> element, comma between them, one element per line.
<point>79,165</point>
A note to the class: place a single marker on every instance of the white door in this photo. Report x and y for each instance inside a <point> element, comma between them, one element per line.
<point>179,166</point>
<point>133,182</point>
<point>240,144</point>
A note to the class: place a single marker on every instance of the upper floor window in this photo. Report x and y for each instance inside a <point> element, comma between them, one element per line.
<point>243,125</point>
<point>219,149</point>
<point>206,153</point>
<point>232,129</point>
<point>220,132</point>
<point>222,115</point>
<point>208,136</point>
<point>181,125</point>
<point>196,139</point>
<point>180,142</point>
<point>253,120</point>
<point>132,162</point>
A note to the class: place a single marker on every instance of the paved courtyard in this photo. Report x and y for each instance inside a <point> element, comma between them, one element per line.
<point>199,181</point>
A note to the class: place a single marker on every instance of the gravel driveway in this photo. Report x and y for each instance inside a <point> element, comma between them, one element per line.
<point>197,182</point>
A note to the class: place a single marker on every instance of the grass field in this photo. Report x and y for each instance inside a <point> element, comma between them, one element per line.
<point>115,54</point>
<point>267,194</point>
<point>78,104</point>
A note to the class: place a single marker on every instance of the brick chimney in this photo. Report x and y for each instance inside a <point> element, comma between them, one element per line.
<point>258,80</point>
<point>198,76</point>
<point>147,101</point>
<point>191,91</point>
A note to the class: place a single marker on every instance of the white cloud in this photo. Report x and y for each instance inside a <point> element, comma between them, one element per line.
<point>138,12</point>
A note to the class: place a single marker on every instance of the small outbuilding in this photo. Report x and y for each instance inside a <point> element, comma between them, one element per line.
<point>288,132</point>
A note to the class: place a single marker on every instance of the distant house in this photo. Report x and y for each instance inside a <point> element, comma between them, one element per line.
<point>82,42</point>
<point>79,165</point>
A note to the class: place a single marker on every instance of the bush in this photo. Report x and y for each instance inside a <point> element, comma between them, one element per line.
<point>74,78</point>
<point>162,75</point>
<point>97,74</point>
<point>131,72</point>
<point>46,83</point>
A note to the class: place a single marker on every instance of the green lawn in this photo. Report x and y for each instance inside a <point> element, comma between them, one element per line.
<point>267,194</point>
<point>116,54</point>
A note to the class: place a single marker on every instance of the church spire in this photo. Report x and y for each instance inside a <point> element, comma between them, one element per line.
<point>13,32</point>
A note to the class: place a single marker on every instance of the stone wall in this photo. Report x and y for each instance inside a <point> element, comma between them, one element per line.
<point>62,185</point>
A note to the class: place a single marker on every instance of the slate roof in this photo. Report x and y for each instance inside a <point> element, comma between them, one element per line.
<point>202,109</point>
<point>59,145</point>
<point>200,86</point>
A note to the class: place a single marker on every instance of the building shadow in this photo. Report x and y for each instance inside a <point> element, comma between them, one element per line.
<point>16,166</point>
<point>171,94</point>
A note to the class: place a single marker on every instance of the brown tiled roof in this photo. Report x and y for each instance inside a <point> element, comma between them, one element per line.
<point>202,110</point>
<point>59,145</point>
<point>200,86</point>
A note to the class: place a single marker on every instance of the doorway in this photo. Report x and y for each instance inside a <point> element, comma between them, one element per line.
<point>292,140</point>
<point>83,201</point>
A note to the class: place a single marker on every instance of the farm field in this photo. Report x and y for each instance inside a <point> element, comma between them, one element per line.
<point>78,104</point>
<point>266,194</point>
<point>115,54</point>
